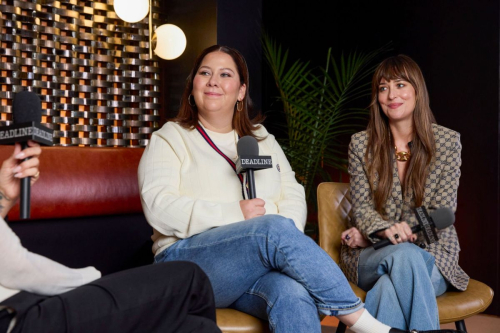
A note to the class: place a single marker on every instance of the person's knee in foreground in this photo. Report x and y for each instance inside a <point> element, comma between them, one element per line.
<point>40,295</point>
<point>253,249</point>
<point>402,161</point>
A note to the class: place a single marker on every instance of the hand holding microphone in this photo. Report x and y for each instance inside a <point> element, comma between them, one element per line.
<point>399,232</point>
<point>14,169</point>
<point>252,208</point>
<point>27,114</point>
<point>439,219</point>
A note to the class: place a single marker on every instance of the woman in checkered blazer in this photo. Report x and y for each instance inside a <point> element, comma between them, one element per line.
<point>402,161</point>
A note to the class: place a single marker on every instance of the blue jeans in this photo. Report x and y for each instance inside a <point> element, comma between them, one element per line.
<point>402,283</point>
<point>266,267</point>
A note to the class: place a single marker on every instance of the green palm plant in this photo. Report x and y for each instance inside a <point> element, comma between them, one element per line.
<point>319,108</point>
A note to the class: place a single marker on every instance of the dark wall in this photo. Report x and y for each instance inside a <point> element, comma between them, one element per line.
<point>207,22</point>
<point>459,50</point>
<point>456,43</point>
<point>239,26</point>
<point>198,20</point>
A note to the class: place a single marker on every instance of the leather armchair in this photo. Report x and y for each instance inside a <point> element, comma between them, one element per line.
<point>334,209</point>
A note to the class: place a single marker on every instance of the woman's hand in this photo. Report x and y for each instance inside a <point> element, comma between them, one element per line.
<point>398,233</point>
<point>14,168</point>
<point>252,208</point>
<point>353,238</point>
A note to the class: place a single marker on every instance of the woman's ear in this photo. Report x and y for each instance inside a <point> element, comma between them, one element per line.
<point>243,90</point>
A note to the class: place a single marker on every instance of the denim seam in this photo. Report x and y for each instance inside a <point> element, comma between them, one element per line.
<point>270,305</point>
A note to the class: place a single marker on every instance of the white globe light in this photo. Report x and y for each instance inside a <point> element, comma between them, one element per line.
<point>170,41</point>
<point>131,10</point>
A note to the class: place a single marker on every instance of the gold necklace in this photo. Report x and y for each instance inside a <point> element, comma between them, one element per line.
<point>402,156</point>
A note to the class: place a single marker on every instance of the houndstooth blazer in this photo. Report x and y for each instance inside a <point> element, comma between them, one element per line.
<point>440,191</point>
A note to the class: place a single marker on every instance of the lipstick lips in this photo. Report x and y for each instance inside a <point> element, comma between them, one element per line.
<point>209,93</point>
<point>394,105</point>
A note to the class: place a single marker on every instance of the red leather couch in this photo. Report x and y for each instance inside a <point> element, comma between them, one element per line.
<point>86,209</point>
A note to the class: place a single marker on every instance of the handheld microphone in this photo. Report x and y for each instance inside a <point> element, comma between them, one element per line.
<point>249,160</point>
<point>439,219</point>
<point>27,114</point>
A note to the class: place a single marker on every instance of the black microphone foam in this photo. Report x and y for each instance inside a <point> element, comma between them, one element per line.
<point>27,116</point>
<point>443,217</point>
<point>248,145</point>
<point>249,161</point>
<point>26,107</point>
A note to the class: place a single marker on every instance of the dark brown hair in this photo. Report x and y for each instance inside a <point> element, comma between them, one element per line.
<point>188,114</point>
<point>380,153</point>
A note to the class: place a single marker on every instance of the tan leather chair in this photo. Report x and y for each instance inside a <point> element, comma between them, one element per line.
<point>233,321</point>
<point>334,208</point>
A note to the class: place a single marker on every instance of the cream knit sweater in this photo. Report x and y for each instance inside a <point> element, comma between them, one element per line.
<point>187,187</point>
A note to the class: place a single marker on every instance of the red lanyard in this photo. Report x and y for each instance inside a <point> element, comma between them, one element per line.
<point>228,160</point>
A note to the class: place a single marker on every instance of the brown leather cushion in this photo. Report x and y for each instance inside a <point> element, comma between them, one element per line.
<point>458,305</point>
<point>233,321</point>
<point>81,181</point>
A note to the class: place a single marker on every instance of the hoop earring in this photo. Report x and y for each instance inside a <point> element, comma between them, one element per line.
<point>238,103</point>
<point>189,100</point>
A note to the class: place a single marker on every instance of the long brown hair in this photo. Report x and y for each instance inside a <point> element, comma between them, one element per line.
<point>380,153</point>
<point>188,114</point>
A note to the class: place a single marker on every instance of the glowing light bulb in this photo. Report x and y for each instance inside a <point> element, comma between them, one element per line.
<point>169,41</point>
<point>131,10</point>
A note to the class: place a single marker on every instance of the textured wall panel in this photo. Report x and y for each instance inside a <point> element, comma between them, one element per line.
<point>92,71</point>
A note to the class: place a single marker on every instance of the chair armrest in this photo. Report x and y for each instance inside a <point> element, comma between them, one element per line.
<point>334,207</point>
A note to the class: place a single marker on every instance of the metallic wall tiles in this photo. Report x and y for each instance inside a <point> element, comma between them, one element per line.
<point>92,70</point>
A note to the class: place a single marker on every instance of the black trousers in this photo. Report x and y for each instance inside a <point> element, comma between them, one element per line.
<point>168,297</point>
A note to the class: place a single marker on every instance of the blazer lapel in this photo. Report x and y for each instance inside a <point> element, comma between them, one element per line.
<point>397,190</point>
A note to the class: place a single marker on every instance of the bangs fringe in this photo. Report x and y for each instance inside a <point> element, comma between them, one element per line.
<point>393,69</point>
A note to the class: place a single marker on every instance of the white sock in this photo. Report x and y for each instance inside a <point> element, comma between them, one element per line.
<point>367,324</point>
